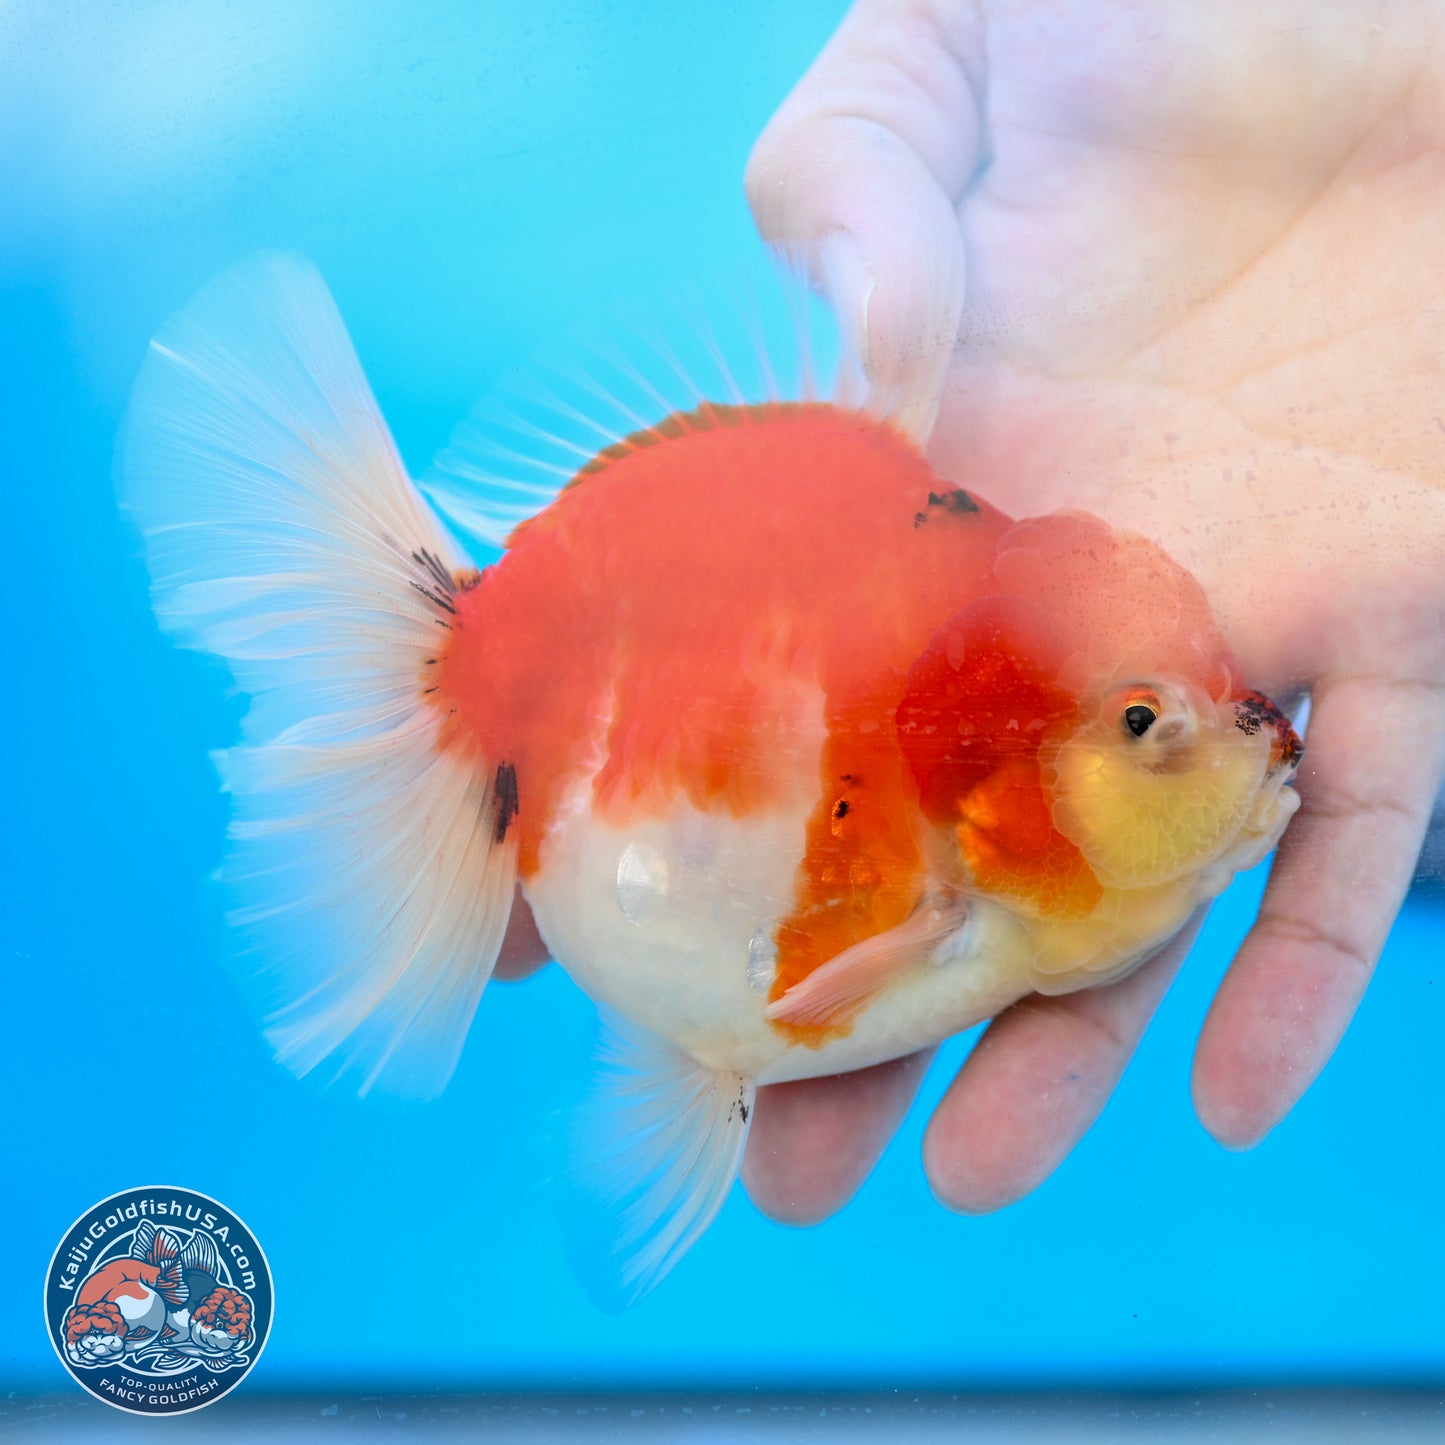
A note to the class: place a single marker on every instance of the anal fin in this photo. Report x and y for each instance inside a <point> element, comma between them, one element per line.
<point>832,994</point>
<point>662,1143</point>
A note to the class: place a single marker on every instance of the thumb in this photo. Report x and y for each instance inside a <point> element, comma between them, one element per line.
<point>859,174</point>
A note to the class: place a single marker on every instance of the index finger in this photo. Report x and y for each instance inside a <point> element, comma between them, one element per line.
<point>1339,878</point>
<point>1037,1080</point>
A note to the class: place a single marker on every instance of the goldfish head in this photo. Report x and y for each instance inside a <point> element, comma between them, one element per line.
<point>1160,780</point>
<point>1084,732</point>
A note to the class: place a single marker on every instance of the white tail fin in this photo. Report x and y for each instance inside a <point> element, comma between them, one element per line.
<point>661,1144</point>
<point>373,872</point>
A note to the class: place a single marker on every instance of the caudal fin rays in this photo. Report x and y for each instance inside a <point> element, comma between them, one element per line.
<point>284,535</point>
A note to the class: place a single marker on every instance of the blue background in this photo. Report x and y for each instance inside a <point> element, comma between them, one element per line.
<point>471,183</point>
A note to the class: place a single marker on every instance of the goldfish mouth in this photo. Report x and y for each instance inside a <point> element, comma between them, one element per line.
<point>1253,713</point>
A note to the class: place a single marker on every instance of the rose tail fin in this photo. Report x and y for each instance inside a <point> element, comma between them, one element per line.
<point>372,869</point>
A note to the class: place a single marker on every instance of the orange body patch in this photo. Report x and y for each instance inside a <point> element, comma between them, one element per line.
<point>686,593</point>
<point>1008,842</point>
<point>686,601</point>
<point>982,704</point>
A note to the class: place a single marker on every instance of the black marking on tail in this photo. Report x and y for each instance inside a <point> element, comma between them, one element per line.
<point>505,799</point>
<point>439,574</point>
<point>435,598</point>
<point>438,586</point>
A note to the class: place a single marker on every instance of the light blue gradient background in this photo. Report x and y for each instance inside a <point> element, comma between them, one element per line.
<point>472,183</point>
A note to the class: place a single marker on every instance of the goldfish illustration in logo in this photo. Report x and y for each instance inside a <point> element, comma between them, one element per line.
<point>803,756</point>
<point>160,1304</point>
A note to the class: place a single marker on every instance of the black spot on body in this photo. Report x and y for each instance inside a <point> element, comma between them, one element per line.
<point>840,808</point>
<point>505,794</point>
<point>1255,711</point>
<point>956,503</point>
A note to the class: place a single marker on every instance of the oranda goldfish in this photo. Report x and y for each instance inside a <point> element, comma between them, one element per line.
<point>803,756</point>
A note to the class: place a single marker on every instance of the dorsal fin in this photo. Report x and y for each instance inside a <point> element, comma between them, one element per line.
<point>707,357</point>
<point>709,416</point>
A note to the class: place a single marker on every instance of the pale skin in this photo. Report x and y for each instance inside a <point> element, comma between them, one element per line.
<point>1178,264</point>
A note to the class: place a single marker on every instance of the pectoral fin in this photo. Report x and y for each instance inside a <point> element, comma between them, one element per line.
<point>831,994</point>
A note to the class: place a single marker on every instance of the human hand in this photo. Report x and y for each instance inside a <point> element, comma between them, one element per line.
<point>1175,264</point>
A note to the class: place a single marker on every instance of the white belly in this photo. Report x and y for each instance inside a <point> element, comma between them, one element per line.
<point>669,921</point>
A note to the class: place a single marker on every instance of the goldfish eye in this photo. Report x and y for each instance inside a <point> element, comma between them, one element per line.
<point>1139,717</point>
